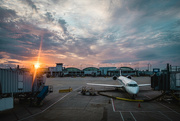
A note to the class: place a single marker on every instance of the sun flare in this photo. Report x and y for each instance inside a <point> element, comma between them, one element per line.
<point>36,65</point>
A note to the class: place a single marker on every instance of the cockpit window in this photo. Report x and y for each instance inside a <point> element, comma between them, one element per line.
<point>132,85</point>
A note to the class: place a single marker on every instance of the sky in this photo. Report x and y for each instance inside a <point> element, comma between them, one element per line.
<point>84,33</point>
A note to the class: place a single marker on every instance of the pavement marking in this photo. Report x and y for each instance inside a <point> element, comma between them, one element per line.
<point>164,106</point>
<point>121,115</point>
<point>169,108</point>
<point>15,114</point>
<point>133,116</point>
<point>88,103</point>
<point>164,115</point>
<point>142,111</point>
<point>49,106</point>
<point>114,108</point>
<point>112,102</point>
<point>27,110</point>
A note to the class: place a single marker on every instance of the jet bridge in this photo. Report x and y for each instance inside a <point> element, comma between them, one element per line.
<point>19,84</point>
<point>175,78</point>
<point>167,80</point>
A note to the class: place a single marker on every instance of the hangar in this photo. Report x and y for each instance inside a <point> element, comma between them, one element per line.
<point>111,71</point>
<point>127,71</point>
<point>108,71</point>
<point>91,71</point>
<point>71,71</point>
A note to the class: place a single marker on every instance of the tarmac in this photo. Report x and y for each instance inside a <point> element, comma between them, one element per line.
<point>73,106</point>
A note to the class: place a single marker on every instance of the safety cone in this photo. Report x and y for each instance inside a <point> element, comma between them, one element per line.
<point>139,105</point>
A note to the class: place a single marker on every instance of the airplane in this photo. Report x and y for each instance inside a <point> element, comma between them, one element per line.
<point>127,83</point>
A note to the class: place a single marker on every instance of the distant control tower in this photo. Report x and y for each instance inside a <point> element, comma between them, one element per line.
<point>59,67</point>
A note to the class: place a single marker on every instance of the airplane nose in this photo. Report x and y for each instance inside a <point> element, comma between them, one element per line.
<point>136,90</point>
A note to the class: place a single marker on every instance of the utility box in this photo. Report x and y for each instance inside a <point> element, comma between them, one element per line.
<point>6,103</point>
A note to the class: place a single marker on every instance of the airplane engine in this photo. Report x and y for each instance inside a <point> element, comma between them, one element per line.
<point>114,77</point>
<point>129,76</point>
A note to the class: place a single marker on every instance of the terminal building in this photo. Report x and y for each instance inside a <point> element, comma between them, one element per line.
<point>59,70</point>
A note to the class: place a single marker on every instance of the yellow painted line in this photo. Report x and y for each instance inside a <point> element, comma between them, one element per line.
<point>65,90</point>
<point>125,99</point>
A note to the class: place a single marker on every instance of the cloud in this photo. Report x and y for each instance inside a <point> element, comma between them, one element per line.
<point>49,16</point>
<point>6,14</point>
<point>12,62</point>
<point>31,4</point>
<point>62,22</point>
<point>147,55</point>
<point>90,31</point>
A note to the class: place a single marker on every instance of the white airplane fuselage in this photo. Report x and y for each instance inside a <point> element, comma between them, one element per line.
<point>129,85</point>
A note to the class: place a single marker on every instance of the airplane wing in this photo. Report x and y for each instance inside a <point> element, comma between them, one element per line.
<point>142,85</point>
<point>107,85</point>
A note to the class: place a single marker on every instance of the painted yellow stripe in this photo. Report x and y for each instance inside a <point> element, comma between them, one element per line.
<point>125,99</point>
